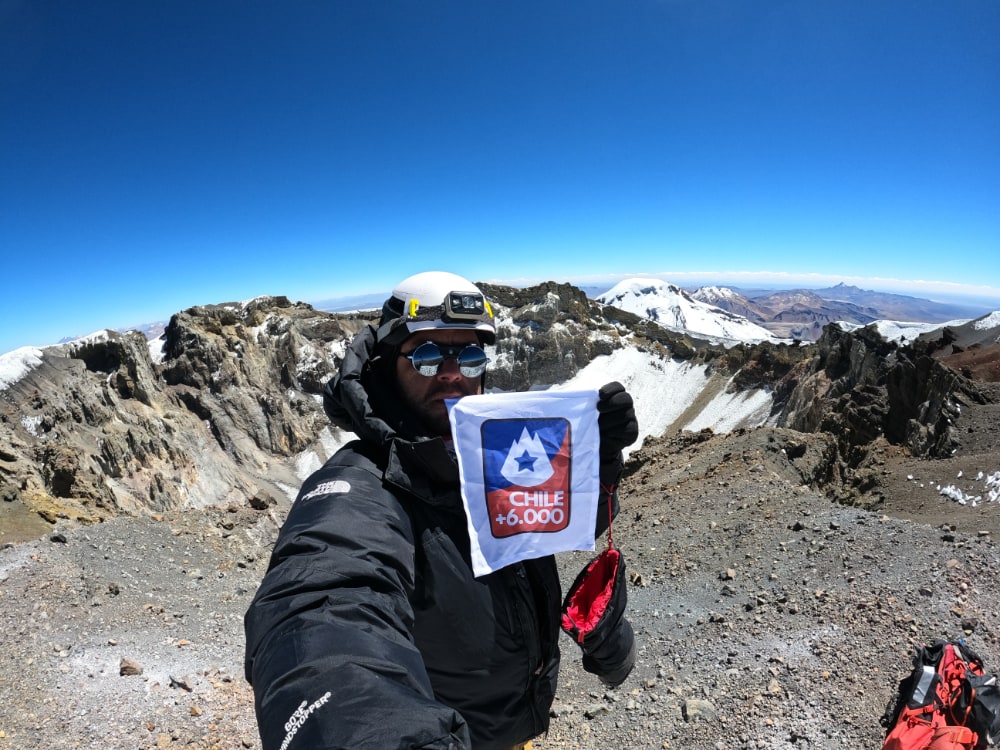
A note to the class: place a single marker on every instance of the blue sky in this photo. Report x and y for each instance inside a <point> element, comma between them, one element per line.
<point>158,155</point>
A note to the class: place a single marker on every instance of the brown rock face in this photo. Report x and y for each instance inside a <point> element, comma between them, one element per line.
<point>99,428</point>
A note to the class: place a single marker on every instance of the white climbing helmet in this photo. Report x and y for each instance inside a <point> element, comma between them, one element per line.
<point>435,299</point>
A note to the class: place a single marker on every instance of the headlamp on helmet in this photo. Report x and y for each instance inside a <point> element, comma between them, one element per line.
<point>465,306</point>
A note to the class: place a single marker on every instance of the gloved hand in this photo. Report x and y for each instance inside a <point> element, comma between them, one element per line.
<point>618,428</point>
<point>593,615</point>
<point>616,420</point>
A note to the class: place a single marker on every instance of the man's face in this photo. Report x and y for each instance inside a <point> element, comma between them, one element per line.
<point>425,396</point>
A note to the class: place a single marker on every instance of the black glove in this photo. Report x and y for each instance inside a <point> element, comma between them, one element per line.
<point>618,428</point>
<point>613,661</point>
<point>616,420</point>
<point>593,615</point>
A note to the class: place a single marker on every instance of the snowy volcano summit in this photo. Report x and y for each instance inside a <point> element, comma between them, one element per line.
<point>675,309</point>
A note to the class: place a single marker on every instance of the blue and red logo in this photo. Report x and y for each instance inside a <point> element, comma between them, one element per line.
<point>526,471</point>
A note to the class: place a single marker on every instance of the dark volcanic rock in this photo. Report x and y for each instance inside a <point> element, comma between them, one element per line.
<point>859,386</point>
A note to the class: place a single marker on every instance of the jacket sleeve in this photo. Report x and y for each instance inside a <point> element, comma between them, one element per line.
<point>330,653</point>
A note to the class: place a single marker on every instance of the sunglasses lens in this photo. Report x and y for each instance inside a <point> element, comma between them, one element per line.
<point>427,359</point>
<point>472,361</point>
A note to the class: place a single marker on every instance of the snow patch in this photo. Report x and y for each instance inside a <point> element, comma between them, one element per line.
<point>727,411</point>
<point>18,363</point>
<point>712,294</point>
<point>31,424</point>
<point>661,389</point>
<point>990,321</point>
<point>97,337</point>
<point>306,463</point>
<point>338,349</point>
<point>330,441</point>
<point>156,347</point>
<point>309,358</point>
<point>290,492</point>
<point>972,495</point>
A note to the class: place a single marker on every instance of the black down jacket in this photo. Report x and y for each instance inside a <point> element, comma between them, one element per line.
<point>369,629</point>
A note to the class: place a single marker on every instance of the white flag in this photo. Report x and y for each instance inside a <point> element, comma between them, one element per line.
<point>529,469</point>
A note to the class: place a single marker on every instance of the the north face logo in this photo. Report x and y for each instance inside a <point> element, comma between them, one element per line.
<point>526,468</point>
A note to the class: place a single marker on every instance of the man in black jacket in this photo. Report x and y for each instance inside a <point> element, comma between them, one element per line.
<point>369,629</point>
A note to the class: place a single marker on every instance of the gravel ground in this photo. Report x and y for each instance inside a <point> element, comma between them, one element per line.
<point>767,616</point>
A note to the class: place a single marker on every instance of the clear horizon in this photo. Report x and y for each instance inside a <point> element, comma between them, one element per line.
<point>161,157</point>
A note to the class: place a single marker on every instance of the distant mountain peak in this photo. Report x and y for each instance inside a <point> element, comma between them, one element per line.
<point>713,294</point>
<point>677,310</point>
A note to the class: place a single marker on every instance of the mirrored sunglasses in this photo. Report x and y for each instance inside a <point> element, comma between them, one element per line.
<point>428,358</point>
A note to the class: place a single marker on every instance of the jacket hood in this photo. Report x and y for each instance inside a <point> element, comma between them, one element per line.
<point>362,398</point>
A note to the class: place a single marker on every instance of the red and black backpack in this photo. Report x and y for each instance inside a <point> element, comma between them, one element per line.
<point>948,702</point>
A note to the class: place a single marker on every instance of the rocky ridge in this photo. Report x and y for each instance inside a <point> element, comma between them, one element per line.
<point>223,406</point>
<point>99,428</point>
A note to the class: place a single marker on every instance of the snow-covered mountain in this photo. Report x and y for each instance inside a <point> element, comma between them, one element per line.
<point>677,310</point>
<point>713,295</point>
<point>733,301</point>
<point>801,314</point>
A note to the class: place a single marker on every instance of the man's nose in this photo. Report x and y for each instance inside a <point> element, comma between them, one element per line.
<point>448,370</point>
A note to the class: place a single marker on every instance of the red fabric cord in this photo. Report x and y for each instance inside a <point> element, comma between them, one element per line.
<point>611,494</point>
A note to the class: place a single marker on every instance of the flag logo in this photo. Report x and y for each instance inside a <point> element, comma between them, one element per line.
<point>526,472</point>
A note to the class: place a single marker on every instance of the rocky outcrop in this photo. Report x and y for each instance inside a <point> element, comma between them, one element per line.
<point>972,348</point>
<point>865,391</point>
<point>254,372</point>
<point>859,387</point>
<point>99,428</point>
<point>546,334</point>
